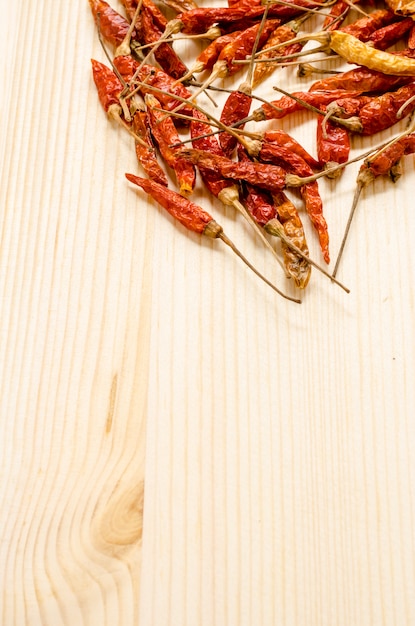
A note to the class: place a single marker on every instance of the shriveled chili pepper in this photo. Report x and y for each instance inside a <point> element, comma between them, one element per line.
<point>282,138</point>
<point>297,266</point>
<point>209,56</point>
<point>333,145</point>
<point>365,26</point>
<point>151,77</point>
<point>112,26</point>
<point>411,38</point>
<point>285,32</point>
<point>382,111</point>
<point>381,164</point>
<point>258,201</point>
<point>361,79</point>
<point>286,105</point>
<point>239,48</point>
<point>199,128</point>
<point>279,155</point>
<point>235,108</point>
<point>194,218</point>
<point>389,35</point>
<point>337,15</point>
<point>267,176</point>
<point>236,17</point>
<point>146,153</point>
<point>353,50</point>
<point>164,54</point>
<point>165,134</point>
<point>108,86</point>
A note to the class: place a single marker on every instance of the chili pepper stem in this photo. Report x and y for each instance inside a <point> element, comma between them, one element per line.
<point>229,196</point>
<point>114,114</point>
<point>229,243</point>
<point>295,55</point>
<point>274,227</point>
<point>347,229</point>
<point>124,48</point>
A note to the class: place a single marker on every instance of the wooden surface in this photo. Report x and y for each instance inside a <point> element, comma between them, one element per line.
<point>274,442</point>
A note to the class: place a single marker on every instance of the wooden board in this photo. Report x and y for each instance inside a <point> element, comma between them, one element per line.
<point>271,443</point>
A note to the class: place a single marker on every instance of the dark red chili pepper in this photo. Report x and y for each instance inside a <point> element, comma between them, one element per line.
<point>112,26</point>
<point>279,155</point>
<point>286,105</point>
<point>146,154</point>
<point>338,13</point>
<point>258,201</point>
<point>281,138</point>
<point>207,59</point>
<point>108,86</point>
<point>194,218</point>
<point>154,77</point>
<point>236,17</point>
<point>243,44</point>
<point>235,108</point>
<point>285,32</point>
<point>164,54</point>
<point>411,38</point>
<point>389,35</point>
<point>267,176</point>
<point>363,28</point>
<point>213,181</point>
<point>165,135</point>
<point>333,145</point>
<point>361,79</point>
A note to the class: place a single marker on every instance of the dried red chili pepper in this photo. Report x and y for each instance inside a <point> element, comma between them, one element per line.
<point>364,27</point>
<point>267,176</point>
<point>164,54</point>
<point>361,79</point>
<point>333,145</point>
<point>382,112</point>
<point>112,26</point>
<point>154,77</point>
<point>236,17</point>
<point>337,15</point>
<point>298,267</point>
<point>280,156</point>
<point>258,201</point>
<point>282,138</point>
<point>389,35</point>
<point>283,33</point>
<point>199,127</point>
<point>146,153</point>
<point>165,134</point>
<point>286,105</point>
<point>108,86</point>
<point>194,218</point>
<point>235,108</point>
<point>209,56</point>
<point>411,38</point>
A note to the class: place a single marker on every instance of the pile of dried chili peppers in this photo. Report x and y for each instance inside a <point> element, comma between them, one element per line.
<point>152,94</point>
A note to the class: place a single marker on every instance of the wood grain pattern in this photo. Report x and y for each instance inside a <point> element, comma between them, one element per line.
<point>274,442</point>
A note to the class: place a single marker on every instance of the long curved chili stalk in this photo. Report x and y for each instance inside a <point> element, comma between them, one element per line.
<point>263,207</point>
<point>381,164</point>
<point>194,218</point>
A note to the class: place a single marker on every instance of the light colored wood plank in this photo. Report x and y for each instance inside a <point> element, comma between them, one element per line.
<point>274,441</point>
